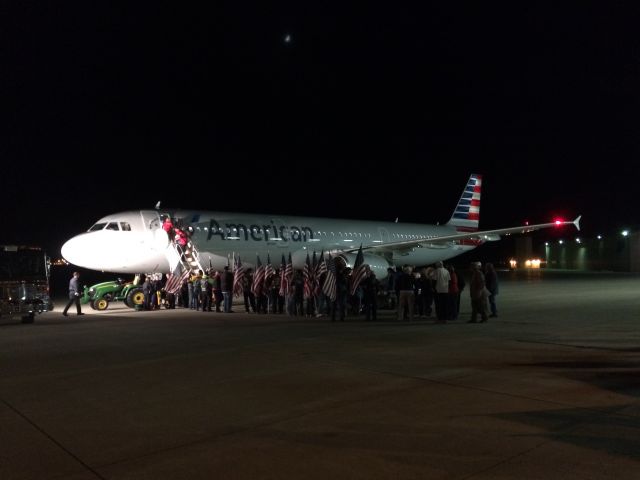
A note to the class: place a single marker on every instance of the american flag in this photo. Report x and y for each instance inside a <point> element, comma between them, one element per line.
<point>269,271</point>
<point>288,272</point>
<point>175,281</point>
<point>258,278</point>
<point>307,276</point>
<point>358,273</point>
<point>238,277</point>
<point>320,269</point>
<point>329,286</point>
<point>284,284</point>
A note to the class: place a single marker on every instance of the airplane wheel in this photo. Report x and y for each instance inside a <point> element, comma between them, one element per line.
<point>135,297</point>
<point>100,304</point>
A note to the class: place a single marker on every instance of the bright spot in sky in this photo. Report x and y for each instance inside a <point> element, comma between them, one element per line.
<point>287,38</point>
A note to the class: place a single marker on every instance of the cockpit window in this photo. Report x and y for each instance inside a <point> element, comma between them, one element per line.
<point>125,227</point>
<point>112,226</point>
<point>97,226</point>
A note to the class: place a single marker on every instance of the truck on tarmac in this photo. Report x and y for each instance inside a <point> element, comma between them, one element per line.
<point>25,273</point>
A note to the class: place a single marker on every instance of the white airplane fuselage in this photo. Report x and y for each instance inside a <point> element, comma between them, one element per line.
<point>134,242</point>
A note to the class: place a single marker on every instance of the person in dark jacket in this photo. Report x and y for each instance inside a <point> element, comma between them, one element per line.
<point>226,285</point>
<point>370,287</point>
<point>147,290</point>
<point>74,294</point>
<point>217,290</point>
<point>339,306</point>
<point>406,298</point>
<point>249,298</point>
<point>491,281</point>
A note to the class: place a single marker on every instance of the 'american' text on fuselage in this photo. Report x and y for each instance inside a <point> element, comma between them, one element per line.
<point>259,233</point>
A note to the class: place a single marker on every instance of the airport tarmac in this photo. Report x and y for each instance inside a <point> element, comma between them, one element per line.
<point>550,389</point>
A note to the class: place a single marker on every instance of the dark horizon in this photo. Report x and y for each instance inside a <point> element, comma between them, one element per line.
<point>324,110</point>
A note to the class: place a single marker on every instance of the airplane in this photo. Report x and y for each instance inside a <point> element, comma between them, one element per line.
<point>134,241</point>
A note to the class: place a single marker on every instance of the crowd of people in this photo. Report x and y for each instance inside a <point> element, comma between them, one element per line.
<point>411,292</point>
<point>433,291</point>
<point>437,290</point>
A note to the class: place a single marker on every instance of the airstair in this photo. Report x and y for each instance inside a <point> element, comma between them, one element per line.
<point>182,259</point>
<point>189,257</point>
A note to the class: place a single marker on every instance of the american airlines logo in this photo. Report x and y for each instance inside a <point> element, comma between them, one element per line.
<point>259,233</point>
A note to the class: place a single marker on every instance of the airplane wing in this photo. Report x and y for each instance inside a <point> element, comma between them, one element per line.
<point>486,235</point>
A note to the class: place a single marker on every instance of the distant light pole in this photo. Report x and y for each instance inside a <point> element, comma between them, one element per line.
<point>627,251</point>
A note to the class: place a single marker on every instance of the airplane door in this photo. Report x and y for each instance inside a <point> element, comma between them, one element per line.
<point>384,235</point>
<point>151,219</point>
<point>154,236</point>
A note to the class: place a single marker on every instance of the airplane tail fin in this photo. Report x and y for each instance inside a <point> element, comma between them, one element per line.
<point>467,213</point>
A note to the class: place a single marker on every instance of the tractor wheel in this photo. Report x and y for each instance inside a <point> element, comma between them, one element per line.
<point>100,304</point>
<point>135,297</point>
<point>92,304</point>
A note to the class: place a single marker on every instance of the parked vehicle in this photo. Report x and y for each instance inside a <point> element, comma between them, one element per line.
<point>24,282</point>
<point>100,295</point>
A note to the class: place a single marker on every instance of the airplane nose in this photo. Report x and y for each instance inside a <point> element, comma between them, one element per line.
<point>114,252</point>
<point>74,251</point>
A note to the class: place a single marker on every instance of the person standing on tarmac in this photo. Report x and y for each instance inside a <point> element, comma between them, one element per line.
<point>478,292</point>
<point>491,280</point>
<point>406,297</point>
<point>226,285</point>
<point>370,286</point>
<point>74,294</point>
<point>206,291</point>
<point>147,290</point>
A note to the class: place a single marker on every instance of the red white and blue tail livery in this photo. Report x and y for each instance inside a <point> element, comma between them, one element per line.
<point>466,216</point>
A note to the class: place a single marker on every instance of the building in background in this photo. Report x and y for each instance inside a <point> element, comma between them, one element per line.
<point>617,251</point>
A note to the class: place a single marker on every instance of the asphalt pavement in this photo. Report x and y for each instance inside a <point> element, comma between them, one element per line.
<point>549,389</point>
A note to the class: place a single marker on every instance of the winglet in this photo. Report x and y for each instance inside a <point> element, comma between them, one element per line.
<point>576,222</point>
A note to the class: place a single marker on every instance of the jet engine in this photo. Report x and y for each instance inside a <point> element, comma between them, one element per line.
<point>377,263</point>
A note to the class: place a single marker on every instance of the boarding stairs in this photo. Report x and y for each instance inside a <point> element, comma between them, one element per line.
<point>183,259</point>
<point>189,257</point>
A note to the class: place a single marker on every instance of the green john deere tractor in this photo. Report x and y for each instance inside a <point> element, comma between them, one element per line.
<point>99,296</point>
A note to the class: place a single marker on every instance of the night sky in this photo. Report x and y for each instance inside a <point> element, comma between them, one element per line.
<point>375,111</point>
